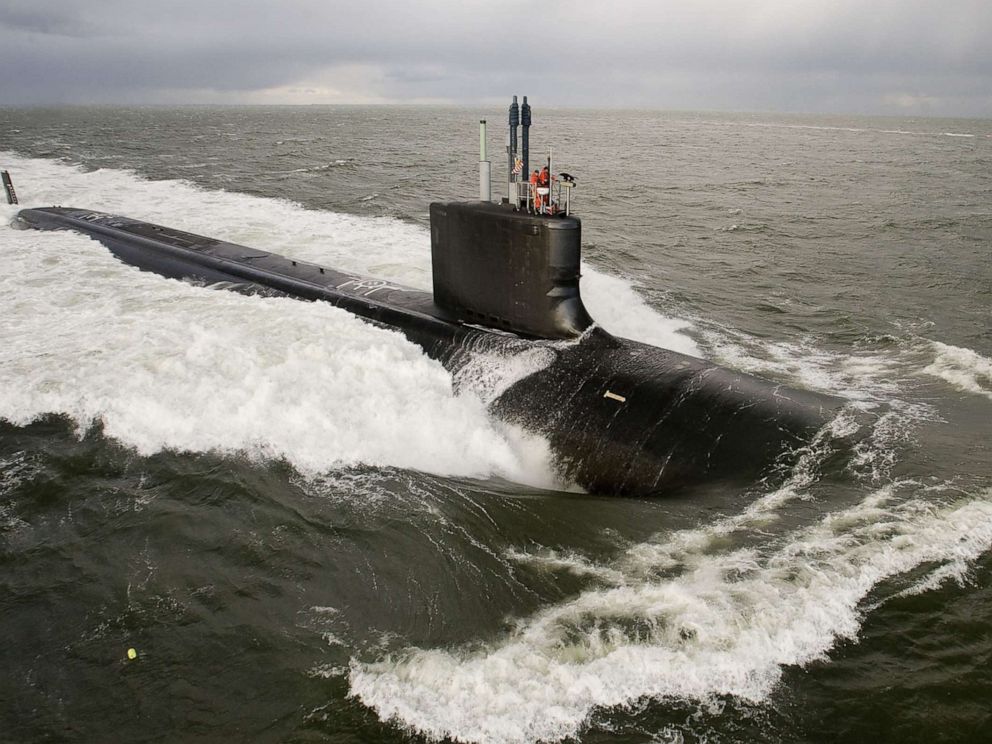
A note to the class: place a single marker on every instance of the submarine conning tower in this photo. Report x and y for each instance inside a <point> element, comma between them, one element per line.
<point>512,265</point>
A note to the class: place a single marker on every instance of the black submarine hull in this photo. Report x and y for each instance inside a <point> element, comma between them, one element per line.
<point>622,417</point>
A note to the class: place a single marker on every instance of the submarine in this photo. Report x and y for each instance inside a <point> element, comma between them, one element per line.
<point>621,417</point>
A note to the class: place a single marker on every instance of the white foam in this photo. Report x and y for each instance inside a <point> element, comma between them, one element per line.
<point>874,457</point>
<point>964,369</point>
<point>573,563</point>
<point>617,307</point>
<point>489,372</point>
<point>350,243</point>
<point>860,377</point>
<point>719,624</point>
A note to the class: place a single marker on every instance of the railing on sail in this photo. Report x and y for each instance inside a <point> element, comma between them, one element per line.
<point>554,199</point>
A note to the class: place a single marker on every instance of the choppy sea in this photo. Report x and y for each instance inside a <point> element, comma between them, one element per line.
<point>308,531</point>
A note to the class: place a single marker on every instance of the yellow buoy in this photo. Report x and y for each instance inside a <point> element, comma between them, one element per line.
<point>132,654</point>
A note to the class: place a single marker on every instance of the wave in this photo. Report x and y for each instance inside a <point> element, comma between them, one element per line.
<point>865,377</point>
<point>964,369</point>
<point>680,617</point>
<point>856,130</point>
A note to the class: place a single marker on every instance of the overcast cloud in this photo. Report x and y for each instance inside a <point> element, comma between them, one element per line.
<point>869,56</point>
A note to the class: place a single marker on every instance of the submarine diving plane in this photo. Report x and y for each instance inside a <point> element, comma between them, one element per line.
<point>622,417</point>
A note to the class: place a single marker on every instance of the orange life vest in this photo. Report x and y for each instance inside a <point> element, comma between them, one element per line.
<point>535,181</point>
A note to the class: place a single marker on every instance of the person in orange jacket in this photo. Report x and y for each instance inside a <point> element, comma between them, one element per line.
<point>544,180</point>
<point>535,181</point>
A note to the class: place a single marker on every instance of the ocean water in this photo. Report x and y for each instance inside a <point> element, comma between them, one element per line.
<point>308,531</point>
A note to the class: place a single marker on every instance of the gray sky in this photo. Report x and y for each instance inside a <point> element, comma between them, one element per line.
<point>909,57</point>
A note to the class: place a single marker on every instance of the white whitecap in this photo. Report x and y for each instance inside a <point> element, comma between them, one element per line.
<point>720,623</point>
<point>964,369</point>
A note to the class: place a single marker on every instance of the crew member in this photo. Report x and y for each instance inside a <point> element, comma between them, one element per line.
<point>535,181</point>
<point>545,182</point>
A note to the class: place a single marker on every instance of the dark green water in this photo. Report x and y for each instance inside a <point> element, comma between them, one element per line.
<point>307,534</point>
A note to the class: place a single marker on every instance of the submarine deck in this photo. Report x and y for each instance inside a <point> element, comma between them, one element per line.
<point>184,255</point>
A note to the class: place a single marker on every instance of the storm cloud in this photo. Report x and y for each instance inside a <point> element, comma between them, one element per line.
<point>886,56</point>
